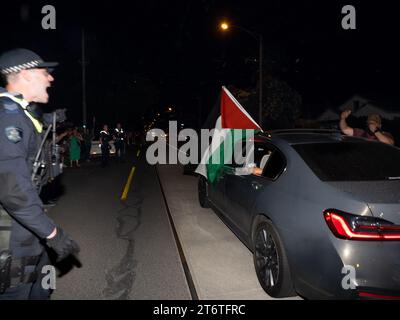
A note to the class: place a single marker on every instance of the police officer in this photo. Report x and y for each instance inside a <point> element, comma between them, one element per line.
<point>105,138</point>
<point>26,230</point>
<point>119,142</point>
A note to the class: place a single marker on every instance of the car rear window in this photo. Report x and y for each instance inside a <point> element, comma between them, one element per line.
<point>351,161</point>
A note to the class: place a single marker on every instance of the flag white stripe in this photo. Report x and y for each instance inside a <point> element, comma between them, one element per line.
<point>218,137</point>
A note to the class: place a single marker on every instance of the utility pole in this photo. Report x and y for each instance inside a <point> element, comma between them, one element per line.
<point>258,37</point>
<point>83,62</point>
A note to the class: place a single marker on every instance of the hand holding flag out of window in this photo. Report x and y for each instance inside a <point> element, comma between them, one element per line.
<point>232,124</point>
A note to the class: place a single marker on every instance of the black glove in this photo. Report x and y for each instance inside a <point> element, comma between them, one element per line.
<point>63,245</point>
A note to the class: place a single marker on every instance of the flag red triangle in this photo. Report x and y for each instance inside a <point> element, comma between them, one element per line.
<point>233,116</point>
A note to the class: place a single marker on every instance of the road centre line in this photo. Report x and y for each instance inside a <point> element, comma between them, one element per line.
<point>128,184</point>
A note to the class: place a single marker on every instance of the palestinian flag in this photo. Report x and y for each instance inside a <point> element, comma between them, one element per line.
<point>232,124</point>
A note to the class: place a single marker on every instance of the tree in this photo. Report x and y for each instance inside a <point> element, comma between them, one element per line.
<point>281,104</point>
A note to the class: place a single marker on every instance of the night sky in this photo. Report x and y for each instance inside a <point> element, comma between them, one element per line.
<point>147,55</point>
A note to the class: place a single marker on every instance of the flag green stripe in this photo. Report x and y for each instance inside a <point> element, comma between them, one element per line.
<point>217,160</point>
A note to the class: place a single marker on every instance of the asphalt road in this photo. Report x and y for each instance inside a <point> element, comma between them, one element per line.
<point>128,249</point>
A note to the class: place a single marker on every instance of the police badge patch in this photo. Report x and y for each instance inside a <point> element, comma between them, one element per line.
<point>13,134</point>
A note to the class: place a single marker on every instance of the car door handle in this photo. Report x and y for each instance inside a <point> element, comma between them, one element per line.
<point>255,185</point>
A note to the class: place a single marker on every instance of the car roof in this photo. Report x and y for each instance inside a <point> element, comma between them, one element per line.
<point>303,136</point>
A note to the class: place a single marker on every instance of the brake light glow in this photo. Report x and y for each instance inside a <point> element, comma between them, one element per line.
<point>377,296</point>
<point>354,227</point>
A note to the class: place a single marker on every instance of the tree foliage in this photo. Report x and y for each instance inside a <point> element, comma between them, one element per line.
<point>280,106</point>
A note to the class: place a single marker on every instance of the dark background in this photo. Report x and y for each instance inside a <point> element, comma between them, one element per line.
<point>143,56</point>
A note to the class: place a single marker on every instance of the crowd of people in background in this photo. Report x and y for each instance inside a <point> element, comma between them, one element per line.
<point>76,144</point>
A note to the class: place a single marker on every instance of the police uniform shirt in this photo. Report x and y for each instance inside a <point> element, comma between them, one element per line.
<point>119,135</point>
<point>105,137</point>
<point>19,142</point>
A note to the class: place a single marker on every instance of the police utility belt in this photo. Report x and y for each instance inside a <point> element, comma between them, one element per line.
<point>12,270</point>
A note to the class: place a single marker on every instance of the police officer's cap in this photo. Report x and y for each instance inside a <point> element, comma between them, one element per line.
<point>21,59</point>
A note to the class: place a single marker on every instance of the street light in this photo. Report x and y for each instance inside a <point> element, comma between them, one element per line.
<point>224,26</point>
<point>258,37</point>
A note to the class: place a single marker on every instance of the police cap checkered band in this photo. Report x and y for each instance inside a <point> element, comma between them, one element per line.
<point>21,59</point>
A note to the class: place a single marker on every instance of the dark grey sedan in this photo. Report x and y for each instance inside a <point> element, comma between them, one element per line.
<point>323,219</point>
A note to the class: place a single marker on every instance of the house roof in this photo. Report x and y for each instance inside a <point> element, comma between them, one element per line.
<point>370,108</point>
<point>362,106</point>
<point>328,115</point>
<point>349,103</point>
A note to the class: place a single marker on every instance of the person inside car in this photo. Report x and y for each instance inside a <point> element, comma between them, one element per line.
<point>373,132</point>
<point>258,170</point>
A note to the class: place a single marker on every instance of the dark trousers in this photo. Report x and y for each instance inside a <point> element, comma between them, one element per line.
<point>88,147</point>
<point>30,291</point>
<point>120,150</point>
<point>105,154</point>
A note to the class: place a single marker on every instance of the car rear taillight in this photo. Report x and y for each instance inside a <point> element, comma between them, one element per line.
<point>354,227</point>
<point>370,295</point>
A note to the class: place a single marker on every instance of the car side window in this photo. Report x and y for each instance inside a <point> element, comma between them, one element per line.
<point>234,163</point>
<point>257,155</point>
<point>264,158</point>
<point>262,153</point>
<point>275,166</point>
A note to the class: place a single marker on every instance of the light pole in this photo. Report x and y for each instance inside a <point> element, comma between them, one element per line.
<point>84,108</point>
<point>258,37</point>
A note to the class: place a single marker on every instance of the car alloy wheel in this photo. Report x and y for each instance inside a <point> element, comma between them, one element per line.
<point>270,261</point>
<point>267,259</point>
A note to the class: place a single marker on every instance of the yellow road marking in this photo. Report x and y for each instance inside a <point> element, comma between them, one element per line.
<point>137,155</point>
<point>128,184</point>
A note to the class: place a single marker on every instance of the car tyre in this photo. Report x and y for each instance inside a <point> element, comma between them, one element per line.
<point>203,192</point>
<point>270,261</point>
